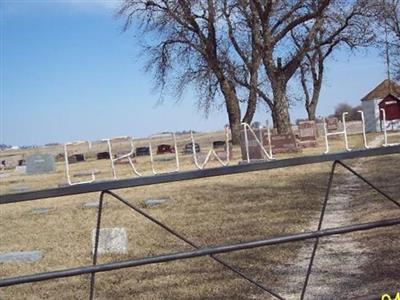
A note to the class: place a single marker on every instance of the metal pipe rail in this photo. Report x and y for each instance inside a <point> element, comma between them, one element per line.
<point>195,174</point>
<point>196,253</point>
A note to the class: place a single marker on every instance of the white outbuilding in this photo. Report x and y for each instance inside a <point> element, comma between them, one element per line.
<point>385,96</point>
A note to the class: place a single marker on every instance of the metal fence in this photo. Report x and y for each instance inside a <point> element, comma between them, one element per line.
<point>105,189</point>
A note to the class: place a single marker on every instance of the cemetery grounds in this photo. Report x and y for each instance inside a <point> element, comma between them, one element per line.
<point>212,211</point>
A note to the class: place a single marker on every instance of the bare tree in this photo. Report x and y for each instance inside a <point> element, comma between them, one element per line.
<point>188,44</point>
<point>241,49</point>
<point>356,33</point>
<point>392,21</point>
<point>387,18</point>
<point>275,23</point>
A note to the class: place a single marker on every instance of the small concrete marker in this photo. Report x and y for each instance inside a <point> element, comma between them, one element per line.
<point>154,202</point>
<point>111,240</point>
<point>20,169</point>
<point>41,210</point>
<point>164,158</point>
<point>20,189</point>
<point>87,173</point>
<point>20,256</point>
<point>93,204</point>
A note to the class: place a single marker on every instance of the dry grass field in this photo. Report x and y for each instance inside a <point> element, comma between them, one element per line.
<point>208,211</point>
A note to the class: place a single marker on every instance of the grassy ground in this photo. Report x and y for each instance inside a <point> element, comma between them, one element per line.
<point>381,272</point>
<point>360,263</point>
<point>208,211</point>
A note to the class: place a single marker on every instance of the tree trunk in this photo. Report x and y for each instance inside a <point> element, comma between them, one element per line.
<point>311,107</point>
<point>273,115</point>
<point>281,108</point>
<point>311,112</point>
<point>252,100</point>
<point>233,109</point>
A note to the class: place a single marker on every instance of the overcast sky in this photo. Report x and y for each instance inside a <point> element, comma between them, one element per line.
<point>69,73</point>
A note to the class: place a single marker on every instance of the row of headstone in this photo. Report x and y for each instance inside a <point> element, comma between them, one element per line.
<point>280,143</point>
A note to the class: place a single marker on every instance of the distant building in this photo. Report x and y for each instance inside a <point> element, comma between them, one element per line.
<point>387,96</point>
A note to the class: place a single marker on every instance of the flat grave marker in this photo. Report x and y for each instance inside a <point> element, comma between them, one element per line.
<point>154,202</point>
<point>93,204</point>
<point>111,240</point>
<point>20,189</point>
<point>87,173</point>
<point>42,210</point>
<point>20,256</point>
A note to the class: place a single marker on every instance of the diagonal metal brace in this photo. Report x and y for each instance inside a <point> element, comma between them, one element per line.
<point>182,238</point>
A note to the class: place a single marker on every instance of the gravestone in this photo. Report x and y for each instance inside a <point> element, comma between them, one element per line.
<point>103,155</point>
<point>20,256</point>
<point>87,173</point>
<point>111,240</point>
<point>189,148</point>
<point>142,151</point>
<point>219,144</point>
<point>282,143</point>
<point>75,158</point>
<point>93,204</point>
<point>255,151</point>
<point>332,124</point>
<point>80,157</point>
<point>165,148</point>
<point>164,158</point>
<point>20,189</point>
<point>39,164</point>
<point>20,169</point>
<point>154,202</point>
<point>222,154</point>
<point>60,157</point>
<point>307,134</point>
<point>41,210</point>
